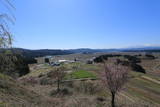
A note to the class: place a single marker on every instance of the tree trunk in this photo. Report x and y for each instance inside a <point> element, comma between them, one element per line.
<point>113,99</point>
<point>58,83</point>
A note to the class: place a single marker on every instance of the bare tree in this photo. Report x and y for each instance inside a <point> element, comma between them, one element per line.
<point>58,74</point>
<point>114,78</point>
<point>6,19</point>
<point>5,34</point>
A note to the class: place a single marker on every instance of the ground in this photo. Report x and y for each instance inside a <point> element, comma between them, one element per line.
<point>82,87</point>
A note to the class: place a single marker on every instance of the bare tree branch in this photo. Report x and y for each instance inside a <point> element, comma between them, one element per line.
<point>5,34</point>
<point>114,78</point>
<point>58,74</point>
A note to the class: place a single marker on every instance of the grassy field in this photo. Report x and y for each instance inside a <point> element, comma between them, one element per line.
<point>80,74</point>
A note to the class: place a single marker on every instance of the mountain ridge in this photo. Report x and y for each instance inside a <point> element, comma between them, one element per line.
<point>45,52</point>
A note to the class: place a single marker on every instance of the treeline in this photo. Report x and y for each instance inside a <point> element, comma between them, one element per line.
<point>13,64</point>
<point>44,52</point>
<point>132,61</point>
<point>40,53</point>
<point>142,50</point>
<point>30,55</point>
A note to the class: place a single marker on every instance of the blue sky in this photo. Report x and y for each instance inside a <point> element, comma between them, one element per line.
<point>66,24</point>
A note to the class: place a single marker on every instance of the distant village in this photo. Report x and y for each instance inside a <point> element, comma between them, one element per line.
<point>58,60</point>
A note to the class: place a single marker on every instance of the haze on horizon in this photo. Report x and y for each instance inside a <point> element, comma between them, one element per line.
<point>70,24</point>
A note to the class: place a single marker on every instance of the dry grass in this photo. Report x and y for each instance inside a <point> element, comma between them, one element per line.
<point>139,92</point>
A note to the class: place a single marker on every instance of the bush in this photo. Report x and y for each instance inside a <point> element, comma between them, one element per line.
<point>134,66</point>
<point>150,56</point>
<point>101,58</point>
<point>132,59</point>
<point>124,63</point>
<point>65,91</point>
<point>13,64</point>
<point>137,68</point>
<point>100,99</point>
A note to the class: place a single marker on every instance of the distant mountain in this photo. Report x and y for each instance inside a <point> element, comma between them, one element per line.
<point>45,52</point>
<point>87,50</point>
<point>136,49</point>
<point>143,49</point>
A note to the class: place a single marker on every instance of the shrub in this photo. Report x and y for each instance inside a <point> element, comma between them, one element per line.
<point>137,68</point>
<point>124,63</point>
<point>101,58</point>
<point>150,56</point>
<point>41,75</point>
<point>132,59</point>
<point>13,64</point>
<point>100,99</point>
<point>66,91</point>
<point>133,65</point>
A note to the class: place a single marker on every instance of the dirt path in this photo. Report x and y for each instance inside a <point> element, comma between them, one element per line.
<point>151,79</point>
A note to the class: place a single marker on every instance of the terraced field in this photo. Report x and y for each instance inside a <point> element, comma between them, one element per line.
<point>146,87</point>
<point>145,90</point>
<point>142,90</point>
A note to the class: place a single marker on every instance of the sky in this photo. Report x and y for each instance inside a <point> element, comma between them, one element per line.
<point>70,24</point>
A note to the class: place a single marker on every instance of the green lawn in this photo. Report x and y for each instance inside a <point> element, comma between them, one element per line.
<point>81,74</point>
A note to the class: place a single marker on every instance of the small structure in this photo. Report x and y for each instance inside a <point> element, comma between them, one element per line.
<point>66,61</point>
<point>55,64</point>
<point>43,60</point>
<point>54,60</point>
<point>90,61</point>
<point>62,61</point>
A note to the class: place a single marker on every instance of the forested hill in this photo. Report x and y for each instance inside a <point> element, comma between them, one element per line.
<point>30,55</point>
<point>45,52</point>
<point>39,53</point>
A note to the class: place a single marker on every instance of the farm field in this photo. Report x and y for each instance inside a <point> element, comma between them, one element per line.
<point>82,86</point>
<point>81,74</point>
<point>141,90</point>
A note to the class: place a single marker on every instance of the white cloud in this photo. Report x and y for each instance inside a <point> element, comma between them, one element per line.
<point>152,45</point>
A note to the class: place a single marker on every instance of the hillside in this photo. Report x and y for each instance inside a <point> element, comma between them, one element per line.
<point>14,94</point>
<point>83,86</point>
